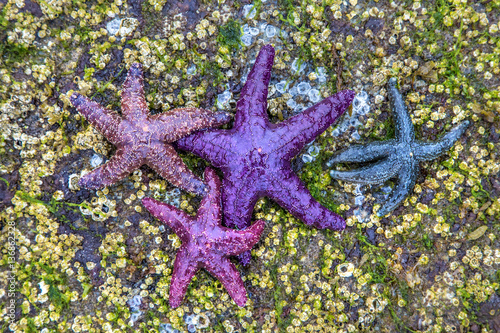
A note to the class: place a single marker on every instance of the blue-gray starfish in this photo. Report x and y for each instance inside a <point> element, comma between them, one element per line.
<point>398,157</point>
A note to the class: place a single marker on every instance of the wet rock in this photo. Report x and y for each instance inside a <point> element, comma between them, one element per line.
<point>190,9</point>
<point>113,69</point>
<point>427,198</point>
<point>371,235</point>
<point>375,25</point>
<point>209,100</point>
<point>135,8</point>
<point>32,7</point>
<point>489,313</point>
<point>354,253</point>
<point>474,328</point>
<point>353,313</point>
<point>438,268</point>
<point>404,258</point>
<point>7,192</point>
<point>90,251</point>
<point>496,184</point>
<point>341,26</point>
<point>60,179</point>
<point>471,217</point>
<point>490,185</point>
<point>494,136</point>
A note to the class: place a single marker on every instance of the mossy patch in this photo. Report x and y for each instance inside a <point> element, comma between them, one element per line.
<point>230,34</point>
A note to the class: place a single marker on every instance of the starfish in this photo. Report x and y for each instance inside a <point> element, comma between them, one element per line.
<point>142,138</point>
<point>255,155</point>
<point>205,243</point>
<point>398,157</point>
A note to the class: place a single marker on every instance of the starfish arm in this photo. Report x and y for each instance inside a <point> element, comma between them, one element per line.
<point>225,271</point>
<point>163,159</point>
<point>181,122</point>
<point>170,215</point>
<point>104,120</point>
<point>375,173</point>
<point>364,153</point>
<point>210,145</point>
<point>118,167</point>
<point>252,105</point>
<point>307,125</point>
<point>235,242</point>
<point>239,199</point>
<point>184,270</point>
<point>402,119</point>
<point>407,176</point>
<point>133,101</point>
<point>290,193</point>
<point>431,150</point>
<point>210,206</point>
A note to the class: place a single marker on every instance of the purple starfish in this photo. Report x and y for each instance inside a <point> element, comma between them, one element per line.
<point>255,154</point>
<point>205,243</point>
<point>142,138</point>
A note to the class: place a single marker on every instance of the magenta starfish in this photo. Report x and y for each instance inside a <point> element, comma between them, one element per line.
<point>205,243</point>
<point>255,154</point>
<point>142,138</point>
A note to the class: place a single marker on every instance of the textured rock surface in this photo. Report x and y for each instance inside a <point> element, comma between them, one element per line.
<point>423,268</point>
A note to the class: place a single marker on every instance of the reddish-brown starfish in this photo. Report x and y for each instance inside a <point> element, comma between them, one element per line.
<point>205,243</point>
<point>142,138</point>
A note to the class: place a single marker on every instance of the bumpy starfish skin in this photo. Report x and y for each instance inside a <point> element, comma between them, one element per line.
<point>205,243</point>
<point>398,157</point>
<point>142,138</point>
<point>255,155</point>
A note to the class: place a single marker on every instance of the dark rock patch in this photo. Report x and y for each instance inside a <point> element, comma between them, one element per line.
<point>190,9</point>
<point>7,192</point>
<point>375,24</point>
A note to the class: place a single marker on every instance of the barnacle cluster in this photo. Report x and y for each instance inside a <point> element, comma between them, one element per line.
<point>432,266</point>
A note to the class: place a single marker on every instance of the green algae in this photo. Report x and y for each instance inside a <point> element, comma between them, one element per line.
<point>317,181</point>
<point>230,34</point>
